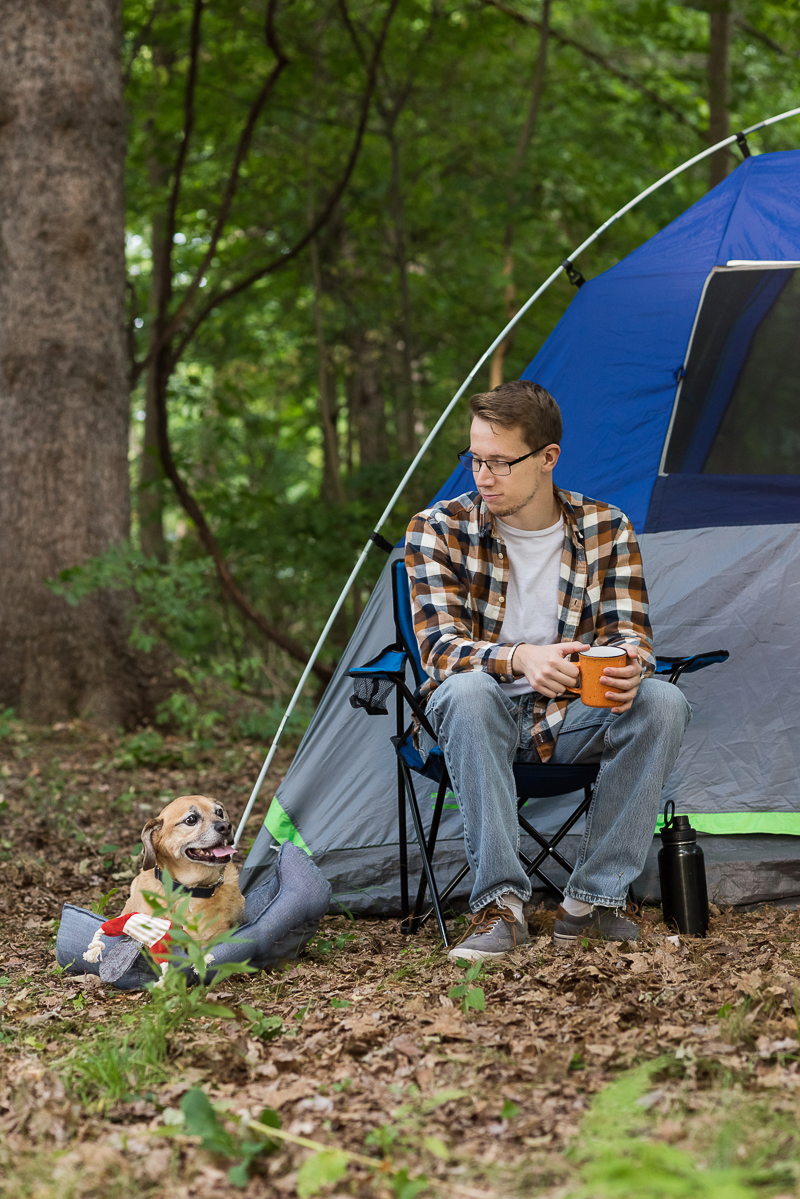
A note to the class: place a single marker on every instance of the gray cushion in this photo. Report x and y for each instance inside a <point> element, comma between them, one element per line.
<point>280,919</point>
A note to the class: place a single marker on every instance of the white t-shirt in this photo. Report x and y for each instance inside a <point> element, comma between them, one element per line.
<point>534,559</point>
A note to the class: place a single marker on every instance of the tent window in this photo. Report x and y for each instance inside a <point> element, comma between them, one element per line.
<point>738,410</point>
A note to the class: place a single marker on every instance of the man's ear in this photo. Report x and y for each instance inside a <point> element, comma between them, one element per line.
<point>152,827</point>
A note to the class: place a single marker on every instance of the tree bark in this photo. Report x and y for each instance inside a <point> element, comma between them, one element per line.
<point>150,495</point>
<point>528,129</point>
<point>719,77</point>
<point>366,400</point>
<point>331,491</point>
<point>404,406</point>
<point>64,489</point>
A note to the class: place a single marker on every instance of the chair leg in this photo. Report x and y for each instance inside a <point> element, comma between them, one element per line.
<point>426,863</point>
<point>402,832</point>
<point>548,848</point>
<point>444,783</point>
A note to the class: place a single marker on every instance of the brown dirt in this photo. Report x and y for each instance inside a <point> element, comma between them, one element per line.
<point>375,1056</point>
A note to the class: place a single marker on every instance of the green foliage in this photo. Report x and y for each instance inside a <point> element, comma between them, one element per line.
<point>6,723</point>
<point>200,1120</point>
<point>320,1170</point>
<point>266,1028</point>
<point>468,996</point>
<point>408,282</point>
<point>99,905</point>
<point>115,1067</point>
<point>146,748</point>
<point>617,1160</point>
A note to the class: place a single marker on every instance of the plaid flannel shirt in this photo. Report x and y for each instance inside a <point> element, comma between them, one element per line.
<point>458,568</point>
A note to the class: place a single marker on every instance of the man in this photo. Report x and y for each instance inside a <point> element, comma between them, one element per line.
<point>507,582</point>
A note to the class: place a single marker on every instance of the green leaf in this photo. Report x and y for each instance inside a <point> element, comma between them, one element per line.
<point>201,1121</point>
<point>340,1002</point>
<point>405,1187</point>
<point>437,1147</point>
<point>99,905</point>
<point>458,992</point>
<point>509,1110</point>
<point>321,1170</point>
<point>214,1009</point>
<point>270,1118</point>
<point>473,972</point>
<point>475,999</point>
<point>239,1176</point>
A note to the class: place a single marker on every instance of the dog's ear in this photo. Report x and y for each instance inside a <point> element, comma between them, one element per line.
<point>152,826</point>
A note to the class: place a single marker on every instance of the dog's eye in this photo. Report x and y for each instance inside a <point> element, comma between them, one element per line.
<point>191,819</point>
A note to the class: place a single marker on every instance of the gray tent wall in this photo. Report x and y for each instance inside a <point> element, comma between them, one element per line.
<point>709,588</point>
<point>611,361</point>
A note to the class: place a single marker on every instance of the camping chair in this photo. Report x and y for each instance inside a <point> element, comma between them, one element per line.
<point>373,684</point>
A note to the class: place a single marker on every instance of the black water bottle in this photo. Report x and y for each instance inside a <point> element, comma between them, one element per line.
<point>682,871</point>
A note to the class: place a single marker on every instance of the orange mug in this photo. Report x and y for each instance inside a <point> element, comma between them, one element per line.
<point>593,661</point>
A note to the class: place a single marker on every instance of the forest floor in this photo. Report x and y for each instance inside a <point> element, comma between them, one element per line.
<point>608,1071</point>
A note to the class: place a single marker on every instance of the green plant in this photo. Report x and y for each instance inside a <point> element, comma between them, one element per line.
<point>99,905</point>
<point>111,1068</point>
<point>617,1158</point>
<point>6,723</point>
<point>469,997</point>
<point>147,748</point>
<point>200,1120</point>
<point>266,1028</point>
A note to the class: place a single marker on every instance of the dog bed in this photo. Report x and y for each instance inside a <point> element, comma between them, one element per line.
<point>281,917</point>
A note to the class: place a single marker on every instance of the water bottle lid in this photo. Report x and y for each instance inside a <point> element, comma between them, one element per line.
<point>677,829</point>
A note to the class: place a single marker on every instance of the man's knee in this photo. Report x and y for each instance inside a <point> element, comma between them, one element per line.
<point>473,691</point>
<point>662,704</point>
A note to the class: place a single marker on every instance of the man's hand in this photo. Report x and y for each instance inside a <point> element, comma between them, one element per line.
<point>545,666</point>
<point>624,679</point>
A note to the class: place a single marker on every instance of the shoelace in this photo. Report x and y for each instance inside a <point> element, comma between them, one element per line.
<point>485,920</point>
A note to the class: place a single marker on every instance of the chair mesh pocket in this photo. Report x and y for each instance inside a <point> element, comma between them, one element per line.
<point>371,695</point>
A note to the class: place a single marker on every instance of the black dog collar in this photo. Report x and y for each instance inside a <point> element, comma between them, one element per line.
<point>195,892</point>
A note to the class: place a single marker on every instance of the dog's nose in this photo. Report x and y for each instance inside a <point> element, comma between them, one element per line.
<point>223,827</point>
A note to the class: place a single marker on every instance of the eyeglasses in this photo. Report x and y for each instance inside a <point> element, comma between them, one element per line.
<point>470,462</point>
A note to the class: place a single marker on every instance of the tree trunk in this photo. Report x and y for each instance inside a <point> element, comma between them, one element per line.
<point>64,490</point>
<point>331,491</point>
<point>366,403</point>
<point>150,494</point>
<point>719,75</point>
<point>528,130</point>
<point>404,406</point>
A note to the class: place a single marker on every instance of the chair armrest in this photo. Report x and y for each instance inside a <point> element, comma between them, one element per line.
<point>675,667</point>
<point>389,661</point>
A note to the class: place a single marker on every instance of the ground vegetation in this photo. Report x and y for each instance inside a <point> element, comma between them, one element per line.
<point>372,1066</point>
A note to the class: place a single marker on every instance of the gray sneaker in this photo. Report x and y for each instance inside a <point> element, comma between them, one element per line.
<point>493,932</point>
<point>601,924</point>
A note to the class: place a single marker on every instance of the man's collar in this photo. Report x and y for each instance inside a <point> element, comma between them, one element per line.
<point>486,519</point>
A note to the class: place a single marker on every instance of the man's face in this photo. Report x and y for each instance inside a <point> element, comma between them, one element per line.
<point>504,495</point>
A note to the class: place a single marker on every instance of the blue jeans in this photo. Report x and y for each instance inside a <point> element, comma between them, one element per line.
<point>481,732</point>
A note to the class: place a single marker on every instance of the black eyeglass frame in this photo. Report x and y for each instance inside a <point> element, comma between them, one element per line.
<point>466,458</point>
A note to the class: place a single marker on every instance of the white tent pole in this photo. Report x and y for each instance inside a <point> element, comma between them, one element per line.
<point>426,443</point>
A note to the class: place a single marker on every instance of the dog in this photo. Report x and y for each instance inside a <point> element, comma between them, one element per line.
<point>192,839</point>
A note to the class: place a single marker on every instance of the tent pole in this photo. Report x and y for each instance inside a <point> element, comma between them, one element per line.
<point>434,431</point>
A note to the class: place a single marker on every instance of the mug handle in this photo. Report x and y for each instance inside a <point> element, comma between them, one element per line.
<point>575,690</point>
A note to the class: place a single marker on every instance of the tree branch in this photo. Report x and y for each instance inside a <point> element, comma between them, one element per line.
<point>601,61</point>
<point>242,149</point>
<point>192,508</point>
<point>765,38</point>
<point>172,204</point>
<point>321,220</point>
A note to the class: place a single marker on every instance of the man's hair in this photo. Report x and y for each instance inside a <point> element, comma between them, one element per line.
<point>524,405</point>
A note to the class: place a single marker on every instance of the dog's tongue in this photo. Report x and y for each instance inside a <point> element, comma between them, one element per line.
<point>224,851</point>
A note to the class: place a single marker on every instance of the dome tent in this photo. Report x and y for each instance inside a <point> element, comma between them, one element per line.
<point>678,373</point>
